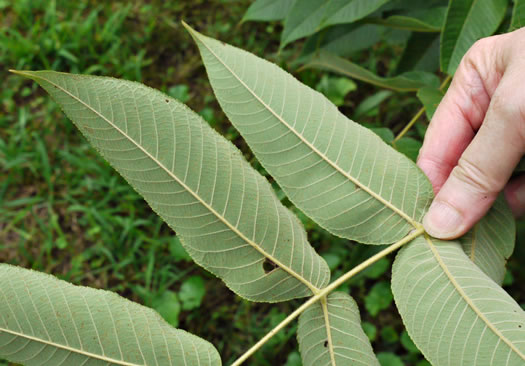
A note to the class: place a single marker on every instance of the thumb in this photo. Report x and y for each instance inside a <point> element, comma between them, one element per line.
<point>485,166</point>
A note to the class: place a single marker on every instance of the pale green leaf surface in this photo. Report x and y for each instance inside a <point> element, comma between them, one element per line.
<point>491,242</point>
<point>268,10</point>
<point>226,214</point>
<point>309,16</point>
<point>45,321</point>
<point>330,333</point>
<point>518,15</point>
<point>339,173</point>
<point>409,81</point>
<point>466,22</point>
<point>454,313</point>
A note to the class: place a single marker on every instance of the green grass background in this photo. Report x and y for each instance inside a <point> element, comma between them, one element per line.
<point>64,211</point>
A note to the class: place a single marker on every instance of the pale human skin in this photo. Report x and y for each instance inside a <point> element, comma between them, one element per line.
<point>477,137</point>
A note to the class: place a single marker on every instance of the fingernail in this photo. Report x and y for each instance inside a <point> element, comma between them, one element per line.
<point>442,220</point>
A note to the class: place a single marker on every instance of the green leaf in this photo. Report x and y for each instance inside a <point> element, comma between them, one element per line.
<point>389,334</point>
<point>45,321</point>
<point>342,40</point>
<point>168,306</point>
<point>309,16</point>
<point>466,22</point>
<point>408,146</point>
<point>430,97</point>
<point>518,15</point>
<point>408,344</point>
<point>421,20</point>
<point>180,92</point>
<point>453,312</point>
<point>370,330</point>
<point>191,292</point>
<point>389,359</point>
<point>409,81</point>
<point>198,182</point>
<point>378,298</point>
<point>384,133</point>
<point>377,269</point>
<point>178,252</point>
<point>421,53</point>
<point>336,88</point>
<point>491,242</point>
<point>371,103</point>
<point>330,333</point>
<point>268,10</point>
<point>339,173</point>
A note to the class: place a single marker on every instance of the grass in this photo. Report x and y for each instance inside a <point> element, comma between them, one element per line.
<point>64,211</point>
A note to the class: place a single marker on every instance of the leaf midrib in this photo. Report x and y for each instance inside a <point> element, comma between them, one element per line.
<point>398,211</point>
<point>68,348</point>
<point>312,288</point>
<point>330,344</point>
<point>462,293</point>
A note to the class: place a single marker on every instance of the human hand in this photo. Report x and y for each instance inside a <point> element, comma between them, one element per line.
<point>477,137</point>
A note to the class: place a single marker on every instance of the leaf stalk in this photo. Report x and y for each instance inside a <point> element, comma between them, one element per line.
<point>328,289</point>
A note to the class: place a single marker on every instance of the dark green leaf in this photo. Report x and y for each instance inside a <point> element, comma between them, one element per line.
<point>191,292</point>
<point>168,306</point>
<point>309,16</point>
<point>421,53</point>
<point>409,81</point>
<point>408,146</point>
<point>342,40</point>
<point>430,97</point>
<point>386,134</point>
<point>268,10</point>
<point>518,15</point>
<point>407,342</point>
<point>371,102</point>
<point>336,88</point>
<point>389,359</point>
<point>422,20</point>
<point>466,22</point>
<point>379,298</point>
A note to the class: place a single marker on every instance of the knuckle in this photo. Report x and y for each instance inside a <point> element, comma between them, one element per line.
<point>476,179</point>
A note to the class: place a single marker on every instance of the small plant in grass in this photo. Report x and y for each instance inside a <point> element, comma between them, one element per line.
<point>230,221</point>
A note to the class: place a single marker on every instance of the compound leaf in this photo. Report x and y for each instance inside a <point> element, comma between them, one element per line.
<point>339,173</point>
<point>466,22</point>
<point>46,321</point>
<point>226,214</point>
<point>330,333</point>
<point>491,242</point>
<point>454,313</point>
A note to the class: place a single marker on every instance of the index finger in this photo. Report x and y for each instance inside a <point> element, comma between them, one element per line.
<point>462,110</point>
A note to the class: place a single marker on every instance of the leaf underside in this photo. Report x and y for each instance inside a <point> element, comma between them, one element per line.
<point>45,321</point>
<point>454,313</point>
<point>491,242</point>
<point>330,333</point>
<point>339,173</point>
<point>226,214</point>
